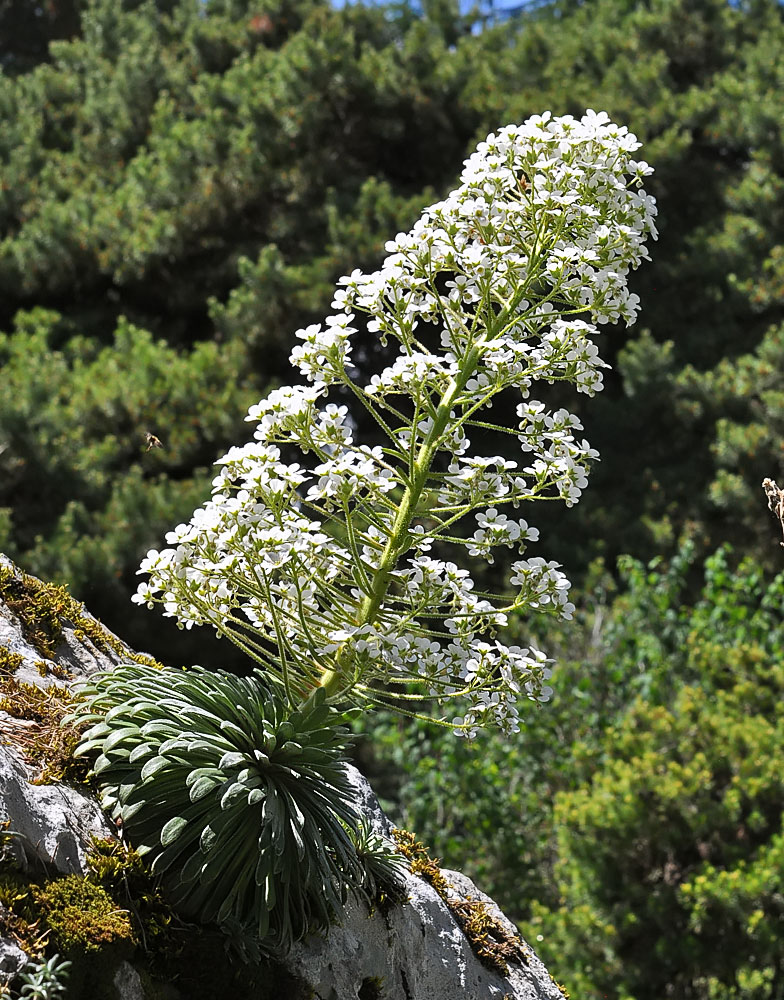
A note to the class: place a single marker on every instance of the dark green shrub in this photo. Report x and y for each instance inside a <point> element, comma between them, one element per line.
<point>634,827</point>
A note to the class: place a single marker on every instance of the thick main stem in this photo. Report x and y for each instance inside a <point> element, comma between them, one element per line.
<point>331,679</point>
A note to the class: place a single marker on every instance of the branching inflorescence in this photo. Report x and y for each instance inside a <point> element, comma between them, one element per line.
<point>314,552</point>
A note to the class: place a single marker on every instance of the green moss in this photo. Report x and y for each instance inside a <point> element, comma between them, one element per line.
<point>123,873</point>
<point>43,608</point>
<point>81,915</point>
<point>420,862</point>
<point>492,944</point>
<point>112,863</point>
<point>39,607</point>
<point>48,668</point>
<point>9,662</point>
<point>19,919</point>
<point>48,742</point>
<point>28,701</point>
<point>66,914</point>
<point>117,912</point>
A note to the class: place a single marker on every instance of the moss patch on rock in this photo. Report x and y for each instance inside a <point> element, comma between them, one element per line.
<point>121,871</point>
<point>81,915</point>
<point>40,608</point>
<point>9,662</point>
<point>176,960</point>
<point>43,609</point>
<point>71,913</point>
<point>45,739</point>
<point>19,920</point>
<point>94,925</point>
<point>492,944</point>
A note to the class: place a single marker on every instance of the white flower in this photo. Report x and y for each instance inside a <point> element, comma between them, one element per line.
<point>325,353</point>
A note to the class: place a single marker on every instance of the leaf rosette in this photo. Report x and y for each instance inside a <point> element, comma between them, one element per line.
<point>242,805</point>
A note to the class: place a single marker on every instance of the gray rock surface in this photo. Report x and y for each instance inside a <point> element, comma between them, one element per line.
<point>417,952</point>
<point>413,950</point>
<point>128,983</point>
<point>367,804</point>
<point>51,825</point>
<point>12,960</point>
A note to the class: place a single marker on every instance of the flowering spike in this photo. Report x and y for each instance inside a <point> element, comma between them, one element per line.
<point>321,569</point>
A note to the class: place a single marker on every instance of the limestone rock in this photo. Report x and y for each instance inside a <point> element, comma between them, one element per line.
<point>128,983</point>
<point>415,951</point>
<point>368,805</point>
<point>12,960</point>
<point>51,824</point>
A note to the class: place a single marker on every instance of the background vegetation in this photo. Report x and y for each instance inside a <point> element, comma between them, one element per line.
<point>180,184</point>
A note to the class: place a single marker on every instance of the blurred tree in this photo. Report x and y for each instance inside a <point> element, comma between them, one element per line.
<point>669,851</point>
<point>182,183</point>
<point>74,459</point>
<point>699,84</point>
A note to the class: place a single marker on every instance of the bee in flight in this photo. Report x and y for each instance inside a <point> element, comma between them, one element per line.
<point>152,440</point>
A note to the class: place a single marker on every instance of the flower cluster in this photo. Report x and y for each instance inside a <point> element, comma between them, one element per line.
<point>321,569</point>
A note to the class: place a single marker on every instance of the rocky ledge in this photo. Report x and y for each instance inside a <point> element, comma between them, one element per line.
<point>443,939</point>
